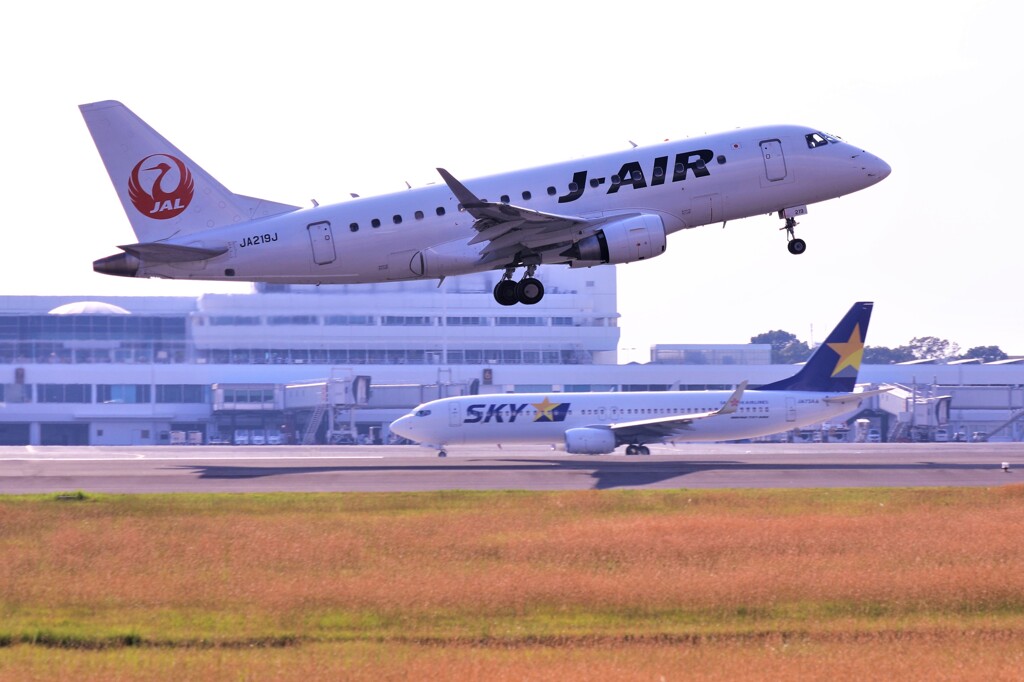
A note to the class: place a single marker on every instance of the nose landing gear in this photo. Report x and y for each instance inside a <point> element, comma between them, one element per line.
<point>796,246</point>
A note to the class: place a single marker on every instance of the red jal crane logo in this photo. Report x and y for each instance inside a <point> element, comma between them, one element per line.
<point>159,202</point>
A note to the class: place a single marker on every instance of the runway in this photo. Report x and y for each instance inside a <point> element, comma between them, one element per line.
<point>215,469</point>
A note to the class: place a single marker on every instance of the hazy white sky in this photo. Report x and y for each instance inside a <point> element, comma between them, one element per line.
<point>292,101</point>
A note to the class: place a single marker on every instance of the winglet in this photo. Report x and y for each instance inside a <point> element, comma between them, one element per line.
<point>733,403</point>
<point>461,192</point>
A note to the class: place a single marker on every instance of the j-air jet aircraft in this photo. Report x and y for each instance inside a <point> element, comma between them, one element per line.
<point>597,423</point>
<point>616,208</point>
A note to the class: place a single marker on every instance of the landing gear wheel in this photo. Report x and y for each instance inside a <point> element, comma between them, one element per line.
<point>529,291</point>
<point>644,450</point>
<point>632,450</point>
<point>795,246</point>
<point>505,292</point>
<point>442,453</point>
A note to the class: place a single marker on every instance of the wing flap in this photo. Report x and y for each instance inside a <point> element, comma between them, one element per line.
<point>509,228</point>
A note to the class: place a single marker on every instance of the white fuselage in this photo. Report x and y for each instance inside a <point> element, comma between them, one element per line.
<point>422,233</point>
<point>543,418</point>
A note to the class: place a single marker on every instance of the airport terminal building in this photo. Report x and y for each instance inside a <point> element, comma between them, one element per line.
<point>337,364</point>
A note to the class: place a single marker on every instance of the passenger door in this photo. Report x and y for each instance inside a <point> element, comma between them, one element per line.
<point>791,409</point>
<point>774,161</point>
<point>322,241</point>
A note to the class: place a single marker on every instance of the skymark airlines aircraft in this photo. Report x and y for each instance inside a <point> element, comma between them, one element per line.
<point>597,423</point>
<point>617,208</point>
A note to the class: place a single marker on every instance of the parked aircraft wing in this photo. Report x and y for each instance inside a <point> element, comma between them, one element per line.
<point>664,427</point>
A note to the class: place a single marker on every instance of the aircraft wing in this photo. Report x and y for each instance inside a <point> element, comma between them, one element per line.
<point>514,231</point>
<point>663,428</point>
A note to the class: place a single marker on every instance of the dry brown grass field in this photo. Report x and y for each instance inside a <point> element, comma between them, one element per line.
<point>646,585</point>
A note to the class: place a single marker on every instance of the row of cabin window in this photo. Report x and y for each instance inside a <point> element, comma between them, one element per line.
<point>397,219</point>
<point>505,199</point>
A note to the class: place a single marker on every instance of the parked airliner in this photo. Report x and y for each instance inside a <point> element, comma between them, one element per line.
<point>616,208</point>
<point>597,423</point>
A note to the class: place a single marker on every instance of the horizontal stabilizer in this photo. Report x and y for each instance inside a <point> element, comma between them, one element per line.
<point>157,252</point>
<point>855,397</point>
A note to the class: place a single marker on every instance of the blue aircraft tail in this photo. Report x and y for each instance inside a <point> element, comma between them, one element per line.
<point>834,364</point>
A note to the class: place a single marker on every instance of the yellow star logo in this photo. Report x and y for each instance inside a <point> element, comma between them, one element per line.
<point>544,410</point>
<point>850,352</point>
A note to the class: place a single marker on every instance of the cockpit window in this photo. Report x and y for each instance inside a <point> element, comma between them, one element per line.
<point>422,413</point>
<point>815,140</point>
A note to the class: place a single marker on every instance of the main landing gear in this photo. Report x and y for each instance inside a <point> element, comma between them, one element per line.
<point>637,450</point>
<point>795,246</point>
<point>527,291</point>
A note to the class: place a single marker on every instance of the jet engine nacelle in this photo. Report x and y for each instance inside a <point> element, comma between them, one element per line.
<point>624,241</point>
<point>589,441</point>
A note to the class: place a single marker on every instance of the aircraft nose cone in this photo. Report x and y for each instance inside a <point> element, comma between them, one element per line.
<point>402,427</point>
<point>878,168</point>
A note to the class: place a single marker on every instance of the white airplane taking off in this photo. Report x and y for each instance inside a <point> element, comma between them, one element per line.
<point>616,208</point>
<point>597,423</point>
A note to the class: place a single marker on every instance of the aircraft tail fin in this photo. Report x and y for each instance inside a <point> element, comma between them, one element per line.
<point>834,365</point>
<point>163,192</point>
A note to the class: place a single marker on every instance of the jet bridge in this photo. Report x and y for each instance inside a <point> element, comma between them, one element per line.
<point>919,412</point>
<point>348,408</point>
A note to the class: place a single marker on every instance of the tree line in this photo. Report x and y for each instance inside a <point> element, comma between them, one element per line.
<point>787,350</point>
